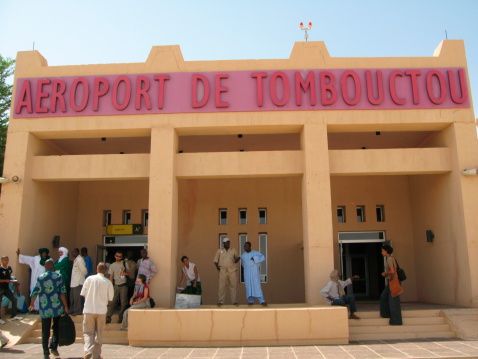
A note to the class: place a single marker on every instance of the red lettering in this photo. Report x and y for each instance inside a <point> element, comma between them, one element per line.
<point>41,95</point>
<point>57,95</point>
<point>328,91</point>
<point>25,98</point>
<point>205,90</point>
<point>127,92</point>
<point>393,87</point>
<point>413,77</point>
<point>370,97</point>
<point>300,84</point>
<point>343,86</point>
<point>161,79</point>
<point>142,92</point>
<point>98,91</point>
<point>220,89</point>
<point>73,94</point>
<point>430,88</point>
<point>463,91</point>
<point>285,88</point>
<point>260,88</point>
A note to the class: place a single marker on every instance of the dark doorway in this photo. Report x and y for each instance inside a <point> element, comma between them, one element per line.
<point>366,261</point>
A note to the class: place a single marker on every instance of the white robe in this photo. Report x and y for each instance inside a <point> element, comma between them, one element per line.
<point>37,269</point>
<point>252,273</point>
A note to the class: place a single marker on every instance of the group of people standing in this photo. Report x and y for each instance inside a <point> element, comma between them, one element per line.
<point>390,307</point>
<point>70,287</point>
<point>225,260</point>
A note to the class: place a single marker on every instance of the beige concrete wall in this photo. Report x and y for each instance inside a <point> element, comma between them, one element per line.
<point>393,192</point>
<point>199,229</point>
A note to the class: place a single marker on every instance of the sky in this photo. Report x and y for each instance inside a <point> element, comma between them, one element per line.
<point>69,32</point>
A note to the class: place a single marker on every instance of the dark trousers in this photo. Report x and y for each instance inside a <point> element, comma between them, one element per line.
<point>390,307</point>
<point>45,334</point>
<point>76,302</point>
<point>8,293</point>
<point>122,294</point>
<point>346,299</point>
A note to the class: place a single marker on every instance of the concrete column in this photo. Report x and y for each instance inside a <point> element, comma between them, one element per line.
<point>316,212</point>
<point>163,214</point>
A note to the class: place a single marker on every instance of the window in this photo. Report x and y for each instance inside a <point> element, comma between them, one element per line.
<point>263,250</point>
<point>145,217</point>
<point>106,218</point>
<point>262,215</point>
<point>341,214</point>
<point>360,213</point>
<point>242,216</point>
<point>126,217</point>
<point>221,237</point>
<point>223,217</point>
<point>380,210</point>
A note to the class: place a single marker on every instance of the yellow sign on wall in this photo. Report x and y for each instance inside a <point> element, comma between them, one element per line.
<point>124,229</point>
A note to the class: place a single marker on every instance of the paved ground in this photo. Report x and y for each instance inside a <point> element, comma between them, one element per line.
<point>423,348</point>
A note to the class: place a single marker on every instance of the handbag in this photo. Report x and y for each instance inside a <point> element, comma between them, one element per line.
<point>400,272</point>
<point>66,331</point>
<point>130,282</point>
<point>152,303</point>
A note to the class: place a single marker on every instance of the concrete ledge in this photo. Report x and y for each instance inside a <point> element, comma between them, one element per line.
<point>238,326</point>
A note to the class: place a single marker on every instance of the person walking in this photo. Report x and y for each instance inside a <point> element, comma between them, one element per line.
<point>50,289</point>
<point>98,291</point>
<point>5,280</point>
<point>78,274</point>
<point>390,298</point>
<point>118,272</point>
<point>251,262</point>
<point>334,292</point>
<point>225,261</point>
<point>37,266</point>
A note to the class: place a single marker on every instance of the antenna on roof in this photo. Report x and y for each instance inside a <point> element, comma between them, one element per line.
<point>33,45</point>
<point>446,35</point>
<point>306,36</point>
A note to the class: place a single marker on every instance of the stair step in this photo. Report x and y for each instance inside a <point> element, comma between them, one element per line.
<point>406,335</point>
<point>38,340</point>
<point>405,314</point>
<point>400,328</point>
<point>406,321</point>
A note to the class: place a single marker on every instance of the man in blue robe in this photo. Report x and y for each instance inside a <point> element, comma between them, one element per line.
<point>251,262</point>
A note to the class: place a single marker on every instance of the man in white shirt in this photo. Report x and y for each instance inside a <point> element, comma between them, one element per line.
<point>78,275</point>
<point>98,291</point>
<point>335,294</point>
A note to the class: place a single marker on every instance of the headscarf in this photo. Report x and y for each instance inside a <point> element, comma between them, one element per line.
<point>43,260</point>
<point>334,277</point>
<point>65,253</point>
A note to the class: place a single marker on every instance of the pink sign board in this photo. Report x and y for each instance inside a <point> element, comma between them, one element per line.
<point>242,91</point>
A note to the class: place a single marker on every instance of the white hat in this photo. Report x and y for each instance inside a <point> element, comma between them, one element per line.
<point>226,240</point>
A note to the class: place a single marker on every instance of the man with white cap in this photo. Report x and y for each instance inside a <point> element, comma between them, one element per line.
<point>225,261</point>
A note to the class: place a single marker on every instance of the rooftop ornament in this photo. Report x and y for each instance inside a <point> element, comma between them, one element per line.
<point>306,35</point>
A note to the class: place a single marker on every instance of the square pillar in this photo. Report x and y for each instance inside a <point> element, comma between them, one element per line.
<point>163,214</point>
<point>316,212</point>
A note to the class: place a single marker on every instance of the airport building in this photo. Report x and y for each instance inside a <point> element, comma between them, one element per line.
<point>316,160</point>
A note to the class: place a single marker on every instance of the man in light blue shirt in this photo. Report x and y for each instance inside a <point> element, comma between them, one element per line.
<point>251,262</point>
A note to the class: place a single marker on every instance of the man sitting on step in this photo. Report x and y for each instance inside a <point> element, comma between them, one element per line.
<point>335,294</point>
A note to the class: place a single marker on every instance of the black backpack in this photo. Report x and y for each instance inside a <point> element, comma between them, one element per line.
<point>66,331</point>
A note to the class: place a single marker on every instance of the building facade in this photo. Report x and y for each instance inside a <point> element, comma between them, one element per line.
<point>316,160</point>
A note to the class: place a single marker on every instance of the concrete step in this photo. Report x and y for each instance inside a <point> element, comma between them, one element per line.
<point>406,321</point>
<point>37,340</point>
<point>106,334</point>
<point>397,336</point>
<point>405,314</point>
<point>400,328</point>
